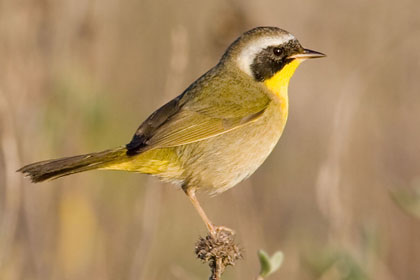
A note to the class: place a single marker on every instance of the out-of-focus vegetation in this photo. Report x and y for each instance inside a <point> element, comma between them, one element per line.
<point>80,76</point>
<point>269,264</point>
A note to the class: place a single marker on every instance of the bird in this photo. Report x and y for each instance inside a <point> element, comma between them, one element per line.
<point>217,132</point>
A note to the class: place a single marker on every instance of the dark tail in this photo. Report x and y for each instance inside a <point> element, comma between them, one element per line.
<point>55,168</point>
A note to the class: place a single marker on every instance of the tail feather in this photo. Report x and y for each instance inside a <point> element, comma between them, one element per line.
<point>55,168</point>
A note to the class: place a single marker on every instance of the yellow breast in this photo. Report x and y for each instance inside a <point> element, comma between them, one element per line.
<point>279,83</point>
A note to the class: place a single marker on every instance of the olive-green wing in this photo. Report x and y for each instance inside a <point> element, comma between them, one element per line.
<point>198,115</point>
<point>189,126</point>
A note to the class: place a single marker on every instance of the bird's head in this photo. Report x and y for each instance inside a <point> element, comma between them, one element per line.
<point>266,53</point>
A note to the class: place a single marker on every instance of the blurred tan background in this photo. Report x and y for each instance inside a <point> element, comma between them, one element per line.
<point>340,194</point>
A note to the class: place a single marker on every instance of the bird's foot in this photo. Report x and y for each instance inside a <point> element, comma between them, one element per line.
<point>218,229</point>
<point>215,230</point>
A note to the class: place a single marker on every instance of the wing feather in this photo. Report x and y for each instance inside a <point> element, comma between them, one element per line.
<point>211,106</point>
<point>188,127</point>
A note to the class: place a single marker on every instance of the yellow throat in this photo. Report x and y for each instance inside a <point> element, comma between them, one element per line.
<point>279,83</point>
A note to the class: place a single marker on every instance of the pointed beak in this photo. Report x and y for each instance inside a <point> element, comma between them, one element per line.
<point>307,54</point>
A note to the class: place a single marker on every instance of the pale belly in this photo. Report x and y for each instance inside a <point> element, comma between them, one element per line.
<point>219,163</point>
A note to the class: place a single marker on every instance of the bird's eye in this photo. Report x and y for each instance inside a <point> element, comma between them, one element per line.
<point>277,51</point>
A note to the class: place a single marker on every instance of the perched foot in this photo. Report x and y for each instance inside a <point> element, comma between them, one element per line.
<point>215,230</point>
<point>223,228</point>
<point>218,250</point>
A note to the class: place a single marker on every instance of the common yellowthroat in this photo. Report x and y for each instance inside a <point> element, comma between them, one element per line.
<point>217,132</point>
